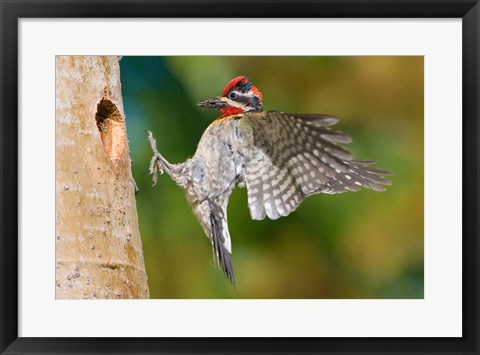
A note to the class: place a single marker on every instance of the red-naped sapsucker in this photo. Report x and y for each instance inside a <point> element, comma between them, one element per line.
<point>280,158</point>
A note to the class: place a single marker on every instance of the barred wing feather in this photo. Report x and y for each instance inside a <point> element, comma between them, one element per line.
<point>291,156</point>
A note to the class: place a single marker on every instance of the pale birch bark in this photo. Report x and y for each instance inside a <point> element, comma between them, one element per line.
<point>98,245</point>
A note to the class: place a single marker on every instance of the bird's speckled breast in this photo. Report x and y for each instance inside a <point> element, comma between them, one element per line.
<point>216,165</point>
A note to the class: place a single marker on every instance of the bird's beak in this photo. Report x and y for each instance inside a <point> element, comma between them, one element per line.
<point>217,103</point>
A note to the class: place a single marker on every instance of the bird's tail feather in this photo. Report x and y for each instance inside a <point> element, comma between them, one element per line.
<point>220,236</point>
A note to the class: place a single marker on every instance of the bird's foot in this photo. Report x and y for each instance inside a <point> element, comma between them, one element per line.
<point>135,187</point>
<point>156,163</point>
<point>156,166</point>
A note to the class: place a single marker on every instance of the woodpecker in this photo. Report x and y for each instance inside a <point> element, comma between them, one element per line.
<point>281,158</point>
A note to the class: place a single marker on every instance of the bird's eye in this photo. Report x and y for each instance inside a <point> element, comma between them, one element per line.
<point>232,95</point>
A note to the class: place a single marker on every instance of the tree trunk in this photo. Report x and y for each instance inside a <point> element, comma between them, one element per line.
<point>98,246</point>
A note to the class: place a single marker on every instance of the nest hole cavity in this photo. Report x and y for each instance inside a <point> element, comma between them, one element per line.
<point>111,126</point>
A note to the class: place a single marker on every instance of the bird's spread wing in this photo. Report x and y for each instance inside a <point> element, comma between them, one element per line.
<point>291,156</point>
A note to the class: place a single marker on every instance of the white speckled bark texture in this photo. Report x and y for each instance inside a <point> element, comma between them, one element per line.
<point>98,246</point>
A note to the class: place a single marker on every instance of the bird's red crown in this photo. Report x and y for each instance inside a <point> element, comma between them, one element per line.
<point>238,96</point>
<point>240,81</point>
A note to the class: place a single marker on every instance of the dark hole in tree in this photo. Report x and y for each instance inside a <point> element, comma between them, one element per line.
<point>112,130</point>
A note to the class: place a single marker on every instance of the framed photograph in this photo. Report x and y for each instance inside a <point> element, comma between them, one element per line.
<point>240,177</point>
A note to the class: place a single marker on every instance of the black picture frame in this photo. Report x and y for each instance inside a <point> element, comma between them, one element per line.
<point>12,11</point>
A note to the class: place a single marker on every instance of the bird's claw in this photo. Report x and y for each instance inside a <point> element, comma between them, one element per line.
<point>156,167</point>
<point>156,163</point>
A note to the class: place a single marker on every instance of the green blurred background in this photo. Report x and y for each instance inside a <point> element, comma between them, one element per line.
<point>352,245</point>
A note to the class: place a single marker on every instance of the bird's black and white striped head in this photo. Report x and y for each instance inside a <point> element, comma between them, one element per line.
<point>238,96</point>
